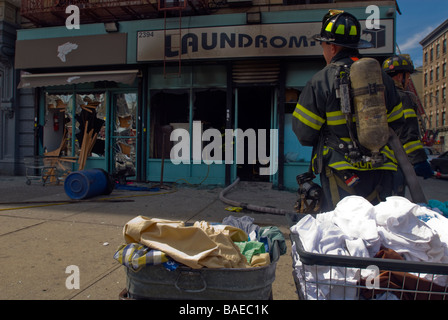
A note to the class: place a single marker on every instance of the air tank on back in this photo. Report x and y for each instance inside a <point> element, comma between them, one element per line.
<point>370,106</point>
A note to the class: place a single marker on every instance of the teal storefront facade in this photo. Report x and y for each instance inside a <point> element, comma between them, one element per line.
<point>135,86</point>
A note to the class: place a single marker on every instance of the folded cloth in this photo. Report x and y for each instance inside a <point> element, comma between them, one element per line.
<point>260,260</point>
<point>197,246</point>
<point>244,223</point>
<point>401,230</point>
<point>235,233</point>
<point>275,241</point>
<point>355,216</point>
<point>271,236</point>
<point>135,256</point>
<point>442,206</point>
<point>250,249</point>
<point>439,224</point>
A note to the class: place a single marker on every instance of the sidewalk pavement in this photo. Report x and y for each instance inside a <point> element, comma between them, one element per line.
<point>40,240</point>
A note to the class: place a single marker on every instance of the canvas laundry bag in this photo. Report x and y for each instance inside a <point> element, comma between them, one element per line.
<point>197,246</point>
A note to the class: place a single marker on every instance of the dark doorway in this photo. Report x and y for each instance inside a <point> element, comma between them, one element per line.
<point>254,112</point>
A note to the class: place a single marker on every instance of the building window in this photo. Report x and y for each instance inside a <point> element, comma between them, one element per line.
<point>74,126</point>
<point>57,130</point>
<point>168,107</point>
<point>90,114</point>
<point>443,118</point>
<point>124,134</point>
<point>437,120</point>
<point>431,76</point>
<point>437,73</point>
<point>444,46</point>
<point>431,55</point>
<point>426,57</point>
<point>172,108</point>
<point>444,94</point>
<point>426,79</point>
<point>444,70</point>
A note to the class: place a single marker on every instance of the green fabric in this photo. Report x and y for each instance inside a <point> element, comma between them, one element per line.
<point>250,248</point>
<point>276,241</point>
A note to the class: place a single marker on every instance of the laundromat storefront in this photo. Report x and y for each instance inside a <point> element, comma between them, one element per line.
<point>94,122</point>
<point>231,75</point>
<point>241,76</point>
<point>85,113</point>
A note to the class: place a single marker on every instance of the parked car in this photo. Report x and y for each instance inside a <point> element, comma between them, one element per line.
<point>440,163</point>
<point>431,153</point>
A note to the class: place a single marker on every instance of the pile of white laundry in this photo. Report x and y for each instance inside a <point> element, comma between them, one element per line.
<point>357,228</point>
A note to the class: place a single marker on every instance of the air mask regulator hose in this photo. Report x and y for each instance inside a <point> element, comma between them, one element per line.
<point>248,206</point>
<point>408,170</point>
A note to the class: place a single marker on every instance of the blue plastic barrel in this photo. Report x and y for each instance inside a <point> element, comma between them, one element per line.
<point>85,184</point>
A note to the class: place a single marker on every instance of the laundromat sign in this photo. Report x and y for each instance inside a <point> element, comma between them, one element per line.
<point>264,40</point>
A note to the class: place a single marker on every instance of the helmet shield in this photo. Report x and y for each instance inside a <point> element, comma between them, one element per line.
<point>343,29</point>
<point>398,63</point>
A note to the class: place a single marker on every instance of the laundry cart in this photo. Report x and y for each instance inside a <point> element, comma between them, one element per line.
<point>337,277</point>
<point>184,283</point>
<point>38,169</point>
<point>200,261</point>
<point>47,169</point>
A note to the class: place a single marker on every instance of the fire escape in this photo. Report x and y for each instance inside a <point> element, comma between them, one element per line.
<point>48,13</point>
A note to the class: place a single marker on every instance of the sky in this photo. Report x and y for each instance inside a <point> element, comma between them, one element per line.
<point>418,19</point>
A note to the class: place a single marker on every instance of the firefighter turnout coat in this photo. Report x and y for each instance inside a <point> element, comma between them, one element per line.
<point>318,116</point>
<point>411,129</point>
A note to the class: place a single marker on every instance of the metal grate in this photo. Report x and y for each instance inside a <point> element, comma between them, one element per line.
<point>258,71</point>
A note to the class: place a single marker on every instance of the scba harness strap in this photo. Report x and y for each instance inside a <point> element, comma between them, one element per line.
<point>337,182</point>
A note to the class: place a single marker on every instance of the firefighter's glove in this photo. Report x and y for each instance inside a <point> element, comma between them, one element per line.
<point>423,169</point>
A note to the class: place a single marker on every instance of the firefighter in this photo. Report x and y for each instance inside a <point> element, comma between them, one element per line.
<point>318,120</point>
<point>400,68</point>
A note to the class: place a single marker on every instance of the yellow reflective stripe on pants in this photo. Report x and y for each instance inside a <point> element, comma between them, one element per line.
<point>396,113</point>
<point>412,146</point>
<point>307,117</point>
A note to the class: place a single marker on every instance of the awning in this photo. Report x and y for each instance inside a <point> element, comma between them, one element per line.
<point>58,79</point>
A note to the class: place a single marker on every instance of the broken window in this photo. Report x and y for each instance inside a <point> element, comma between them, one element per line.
<point>57,129</point>
<point>90,124</point>
<point>124,136</point>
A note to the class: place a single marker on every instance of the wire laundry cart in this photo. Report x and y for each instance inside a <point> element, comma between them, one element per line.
<point>45,169</point>
<point>335,277</point>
